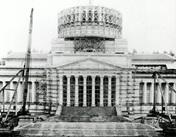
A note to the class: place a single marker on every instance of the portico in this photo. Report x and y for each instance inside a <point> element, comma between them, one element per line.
<point>88,90</point>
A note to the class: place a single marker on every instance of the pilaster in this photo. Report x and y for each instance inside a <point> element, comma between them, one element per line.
<point>60,89</point>
<point>117,90</point>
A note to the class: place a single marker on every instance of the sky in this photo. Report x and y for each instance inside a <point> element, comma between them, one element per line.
<point>148,25</point>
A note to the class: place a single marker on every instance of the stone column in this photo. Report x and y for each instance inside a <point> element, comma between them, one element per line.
<point>1,84</point>
<point>159,93</point>
<point>15,88</point>
<point>3,96</point>
<point>6,93</point>
<point>151,92</point>
<point>68,90</point>
<point>117,90</point>
<point>10,91</point>
<point>101,91</point>
<point>109,90</point>
<point>29,91</point>
<point>167,93</point>
<point>61,90</point>
<point>145,93</point>
<point>76,90</point>
<point>173,94</point>
<point>20,92</point>
<point>33,92</point>
<point>93,91</point>
<point>14,84</point>
<point>84,93</point>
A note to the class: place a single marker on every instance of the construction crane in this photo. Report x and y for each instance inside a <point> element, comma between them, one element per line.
<point>27,64</point>
<point>165,119</point>
<point>10,121</point>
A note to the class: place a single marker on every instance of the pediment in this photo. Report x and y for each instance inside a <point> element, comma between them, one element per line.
<point>88,64</point>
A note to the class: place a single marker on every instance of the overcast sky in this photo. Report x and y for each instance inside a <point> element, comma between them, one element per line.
<point>148,25</point>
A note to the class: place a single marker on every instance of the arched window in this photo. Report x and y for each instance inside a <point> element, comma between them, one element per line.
<point>72,20</point>
<point>110,19</point>
<point>80,90</point>
<point>84,16</point>
<point>72,90</point>
<point>106,19</point>
<point>89,90</point>
<point>141,85</point>
<point>102,20</point>
<point>77,17</point>
<point>95,16</point>
<point>68,19</point>
<point>64,91</point>
<point>97,91</point>
<point>105,91</point>
<point>113,90</point>
<point>89,16</point>
<point>140,92</point>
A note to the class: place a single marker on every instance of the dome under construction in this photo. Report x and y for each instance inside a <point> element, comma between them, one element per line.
<point>89,21</point>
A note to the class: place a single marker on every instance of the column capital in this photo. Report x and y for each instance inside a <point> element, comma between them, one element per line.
<point>84,76</point>
<point>59,77</point>
<point>68,76</point>
<point>101,76</point>
<point>60,74</point>
<point>76,76</point>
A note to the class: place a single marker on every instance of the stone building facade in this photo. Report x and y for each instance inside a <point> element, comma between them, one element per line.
<point>89,66</point>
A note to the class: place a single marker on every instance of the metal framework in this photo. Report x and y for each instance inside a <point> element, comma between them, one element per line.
<point>5,88</point>
<point>89,45</point>
<point>89,21</point>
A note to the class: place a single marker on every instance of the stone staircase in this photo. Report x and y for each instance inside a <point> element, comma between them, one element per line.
<point>86,122</point>
<point>91,111</point>
<point>90,114</point>
<point>86,129</point>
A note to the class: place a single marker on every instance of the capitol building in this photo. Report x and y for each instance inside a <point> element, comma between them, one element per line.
<point>89,66</point>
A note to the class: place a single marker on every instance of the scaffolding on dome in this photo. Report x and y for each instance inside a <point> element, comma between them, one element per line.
<point>89,21</point>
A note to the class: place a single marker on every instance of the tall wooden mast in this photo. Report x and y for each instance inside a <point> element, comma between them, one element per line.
<point>27,64</point>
